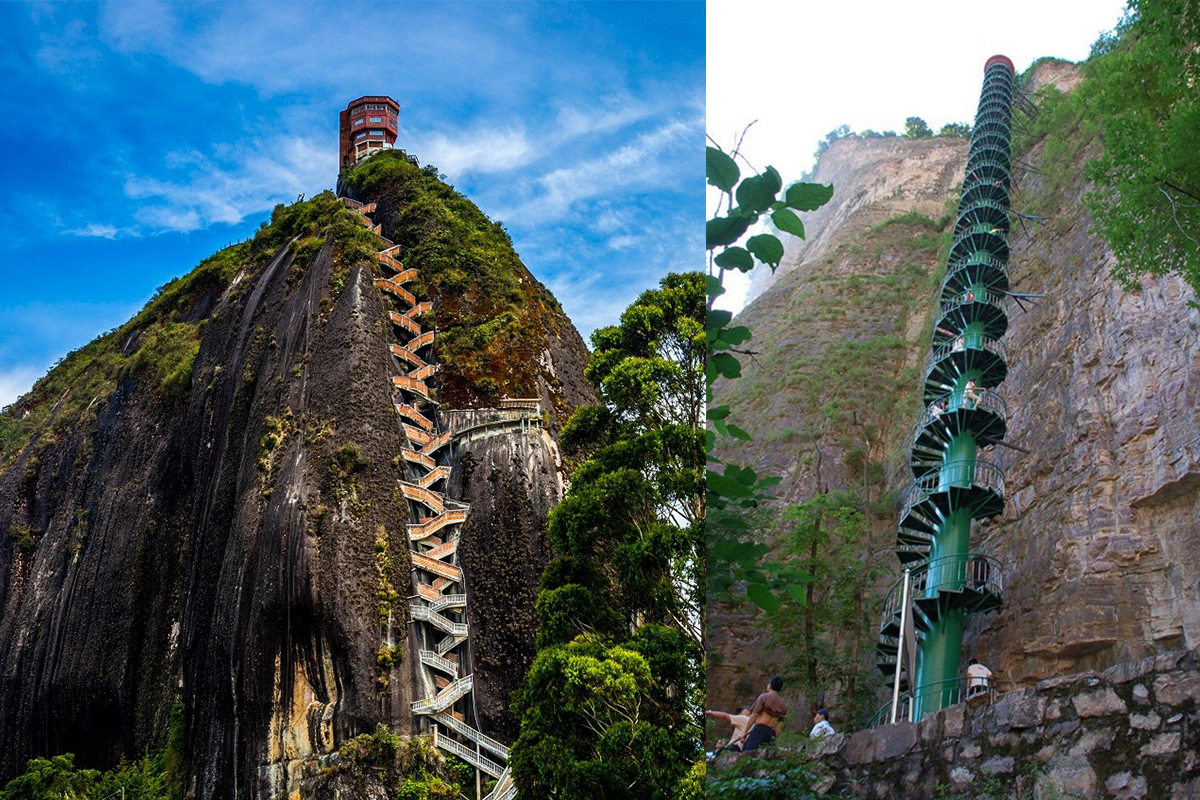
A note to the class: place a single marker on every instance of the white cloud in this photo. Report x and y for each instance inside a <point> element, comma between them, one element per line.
<point>254,177</point>
<point>16,382</point>
<point>610,221</point>
<point>97,229</point>
<point>645,161</point>
<point>68,50</point>
<point>484,150</point>
<point>624,242</point>
<point>611,114</point>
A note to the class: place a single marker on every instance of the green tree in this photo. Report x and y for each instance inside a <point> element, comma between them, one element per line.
<point>55,778</point>
<point>1143,91</point>
<point>955,130</point>
<point>595,722</point>
<point>840,132</point>
<point>610,705</point>
<point>828,538</point>
<point>737,557</point>
<point>916,128</point>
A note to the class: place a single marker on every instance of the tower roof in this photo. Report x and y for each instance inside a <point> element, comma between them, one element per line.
<point>998,59</point>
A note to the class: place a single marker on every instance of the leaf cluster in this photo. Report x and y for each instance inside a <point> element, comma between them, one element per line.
<point>491,314</point>
<point>736,561</point>
<point>1142,90</point>
<point>598,720</point>
<point>608,706</point>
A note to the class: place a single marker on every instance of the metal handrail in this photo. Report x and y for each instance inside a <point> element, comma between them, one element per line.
<point>990,345</point>
<point>468,754</point>
<point>965,238</point>
<point>988,191</point>
<point>432,659</point>
<point>960,299</point>
<point>951,689</point>
<point>980,572</point>
<point>995,121</point>
<point>466,730</point>
<point>989,400</point>
<point>976,259</point>
<point>987,152</point>
<point>990,139</point>
<point>955,474</point>
<point>1000,104</point>
<point>970,214</point>
<point>984,163</point>
<point>977,571</point>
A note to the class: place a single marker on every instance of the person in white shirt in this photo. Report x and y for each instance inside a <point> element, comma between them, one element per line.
<point>822,728</point>
<point>979,678</point>
<point>738,721</point>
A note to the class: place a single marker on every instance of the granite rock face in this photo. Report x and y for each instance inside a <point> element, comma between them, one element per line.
<point>240,551</point>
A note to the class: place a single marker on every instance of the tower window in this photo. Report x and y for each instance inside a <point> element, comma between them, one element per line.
<point>358,122</point>
<point>361,135</point>
<point>376,119</point>
<point>377,133</point>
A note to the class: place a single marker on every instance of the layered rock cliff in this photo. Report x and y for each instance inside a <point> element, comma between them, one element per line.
<point>1098,538</point>
<point>202,509</point>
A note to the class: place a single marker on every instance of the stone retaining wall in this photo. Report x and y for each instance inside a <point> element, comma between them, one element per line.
<point>1128,733</point>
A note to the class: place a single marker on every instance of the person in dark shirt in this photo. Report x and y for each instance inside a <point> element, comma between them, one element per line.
<point>765,715</point>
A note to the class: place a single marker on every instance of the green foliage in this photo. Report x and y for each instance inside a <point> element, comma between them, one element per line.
<point>955,130</point>
<point>22,536</point>
<point>486,304</point>
<point>170,350</point>
<point>341,479</point>
<point>749,778</point>
<point>595,722</point>
<point>158,777</point>
<point>621,604</point>
<point>409,770</point>
<point>55,778</point>
<point>1142,89</point>
<point>824,638</point>
<point>917,128</point>
<point>736,559</point>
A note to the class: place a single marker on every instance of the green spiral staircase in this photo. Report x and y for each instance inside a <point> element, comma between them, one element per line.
<point>953,486</point>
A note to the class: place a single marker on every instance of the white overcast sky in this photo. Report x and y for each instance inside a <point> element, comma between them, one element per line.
<point>802,68</point>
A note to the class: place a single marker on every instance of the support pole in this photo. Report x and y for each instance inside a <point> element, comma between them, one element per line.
<point>900,648</point>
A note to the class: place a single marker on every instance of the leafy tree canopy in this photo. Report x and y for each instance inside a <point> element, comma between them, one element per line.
<point>916,128</point>
<point>1142,89</point>
<point>609,707</point>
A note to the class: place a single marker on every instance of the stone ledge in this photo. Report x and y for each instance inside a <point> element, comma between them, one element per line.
<point>1129,732</point>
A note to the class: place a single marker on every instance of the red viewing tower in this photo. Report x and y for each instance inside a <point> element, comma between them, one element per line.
<point>366,125</point>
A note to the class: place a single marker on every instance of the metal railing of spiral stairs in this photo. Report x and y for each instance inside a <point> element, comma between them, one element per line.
<point>944,581</point>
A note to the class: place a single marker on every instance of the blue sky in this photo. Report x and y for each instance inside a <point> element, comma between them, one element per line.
<point>142,136</point>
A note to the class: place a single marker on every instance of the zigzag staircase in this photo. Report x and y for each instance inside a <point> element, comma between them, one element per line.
<point>440,603</point>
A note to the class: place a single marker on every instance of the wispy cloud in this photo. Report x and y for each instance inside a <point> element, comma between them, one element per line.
<point>252,178</point>
<point>16,382</point>
<point>645,161</point>
<point>485,150</point>
<point>96,229</point>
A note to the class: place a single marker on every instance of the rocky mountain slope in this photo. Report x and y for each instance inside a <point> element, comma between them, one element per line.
<point>1098,537</point>
<point>202,510</point>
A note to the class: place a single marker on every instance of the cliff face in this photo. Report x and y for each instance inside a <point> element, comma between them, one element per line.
<point>1101,522</point>
<point>235,544</point>
<point>838,336</point>
<point>873,179</point>
<point>1098,538</point>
